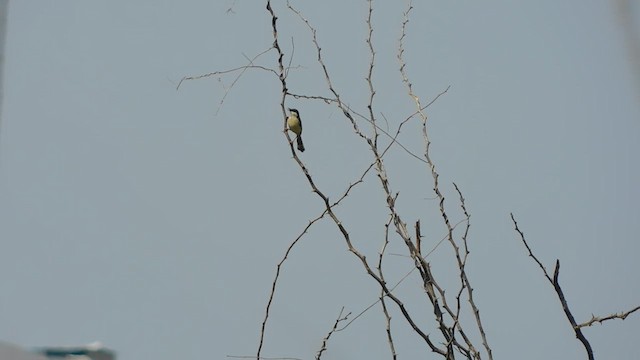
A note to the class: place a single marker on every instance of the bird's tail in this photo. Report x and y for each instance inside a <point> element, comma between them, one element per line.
<point>300,144</point>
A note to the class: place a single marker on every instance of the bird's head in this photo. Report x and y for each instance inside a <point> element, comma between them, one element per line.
<point>294,112</point>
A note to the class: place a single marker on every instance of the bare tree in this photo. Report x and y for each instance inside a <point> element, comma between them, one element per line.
<point>452,337</point>
<point>456,328</point>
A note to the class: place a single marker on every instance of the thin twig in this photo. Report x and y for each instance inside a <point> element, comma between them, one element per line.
<point>339,319</point>
<point>372,92</point>
<point>385,311</point>
<point>402,279</point>
<point>467,282</point>
<point>242,70</point>
<point>197,77</point>
<point>620,315</point>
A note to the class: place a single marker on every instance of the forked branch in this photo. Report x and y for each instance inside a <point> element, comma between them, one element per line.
<point>555,282</point>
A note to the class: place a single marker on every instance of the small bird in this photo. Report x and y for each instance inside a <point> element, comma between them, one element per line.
<point>295,124</point>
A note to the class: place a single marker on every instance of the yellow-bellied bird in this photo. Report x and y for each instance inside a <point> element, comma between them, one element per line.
<point>295,124</point>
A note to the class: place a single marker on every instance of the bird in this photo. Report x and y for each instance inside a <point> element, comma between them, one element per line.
<point>295,124</point>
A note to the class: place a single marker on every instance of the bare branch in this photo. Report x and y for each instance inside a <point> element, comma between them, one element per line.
<point>556,285</point>
<point>372,60</point>
<point>567,312</point>
<point>429,283</point>
<point>345,108</point>
<point>197,77</point>
<point>313,97</point>
<point>544,270</point>
<point>340,319</point>
<point>565,307</point>
<point>465,278</point>
<point>320,60</point>
<point>402,279</point>
<point>385,311</point>
<point>282,77</point>
<point>304,231</point>
<point>242,70</point>
<point>620,315</point>
<point>393,138</point>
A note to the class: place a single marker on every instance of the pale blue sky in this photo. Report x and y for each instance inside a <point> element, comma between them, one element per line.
<point>147,219</point>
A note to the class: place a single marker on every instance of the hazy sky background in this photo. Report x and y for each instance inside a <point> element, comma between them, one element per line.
<point>152,219</point>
